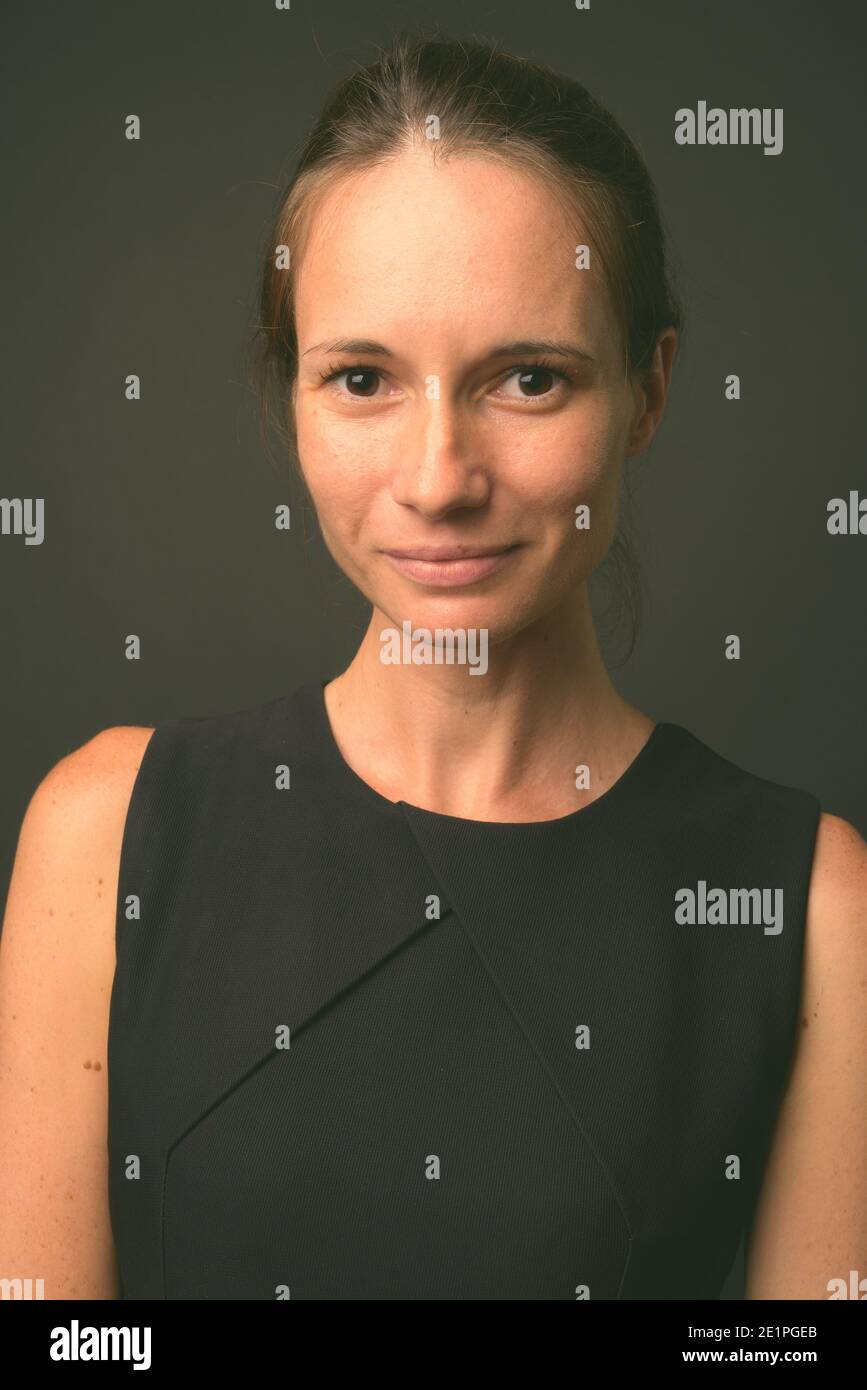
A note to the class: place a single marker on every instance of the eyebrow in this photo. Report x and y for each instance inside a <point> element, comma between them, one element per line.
<point>522,347</point>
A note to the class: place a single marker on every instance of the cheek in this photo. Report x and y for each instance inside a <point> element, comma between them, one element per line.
<point>339,469</point>
<point>577,461</point>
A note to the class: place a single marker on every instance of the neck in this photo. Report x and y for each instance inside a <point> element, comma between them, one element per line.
<point>502,745</point>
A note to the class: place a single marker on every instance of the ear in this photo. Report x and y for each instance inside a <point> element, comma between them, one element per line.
<point>651,393</point>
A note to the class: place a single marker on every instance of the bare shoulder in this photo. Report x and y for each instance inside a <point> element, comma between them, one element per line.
<point>840,860</point>
<point>73,825</point>
<point>100,770</point>
<point>836,926</point>
<point>810,1231</point>
<point>72,829</point>
<point>57,965</point>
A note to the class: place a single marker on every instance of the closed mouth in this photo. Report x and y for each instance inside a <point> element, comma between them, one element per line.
<point>441,554</point>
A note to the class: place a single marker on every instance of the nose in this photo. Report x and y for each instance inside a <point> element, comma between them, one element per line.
<point>439,465</point>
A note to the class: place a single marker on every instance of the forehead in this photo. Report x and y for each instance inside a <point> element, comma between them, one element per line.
<point>462,245</point>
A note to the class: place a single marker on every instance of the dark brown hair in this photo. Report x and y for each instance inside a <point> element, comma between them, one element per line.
<point>489,103</point>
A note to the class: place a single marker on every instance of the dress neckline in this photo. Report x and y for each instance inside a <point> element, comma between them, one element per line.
<point>639,768</point>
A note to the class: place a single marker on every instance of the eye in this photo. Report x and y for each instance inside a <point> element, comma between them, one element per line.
<point>536,378</point>
<point>362,381</point>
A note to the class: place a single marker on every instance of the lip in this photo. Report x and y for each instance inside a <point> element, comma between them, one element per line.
<point>450,566</point>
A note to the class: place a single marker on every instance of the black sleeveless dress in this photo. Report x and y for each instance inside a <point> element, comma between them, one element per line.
<point>359,1050</point>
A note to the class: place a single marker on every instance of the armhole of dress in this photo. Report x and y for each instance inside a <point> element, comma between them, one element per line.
<point>812,817</point>
<point>139,813</point>
<point>144,797</point>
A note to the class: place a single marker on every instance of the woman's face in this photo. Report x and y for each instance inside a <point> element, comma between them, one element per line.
<point>429,438</point>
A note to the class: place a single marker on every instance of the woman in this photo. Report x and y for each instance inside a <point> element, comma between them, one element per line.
<point>455,976</point>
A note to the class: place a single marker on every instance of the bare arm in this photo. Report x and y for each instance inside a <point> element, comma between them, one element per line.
<point>56,970</point>
<point>811,1220</point>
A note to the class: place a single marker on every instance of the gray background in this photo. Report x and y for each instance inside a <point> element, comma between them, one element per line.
<point>143,257</point>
